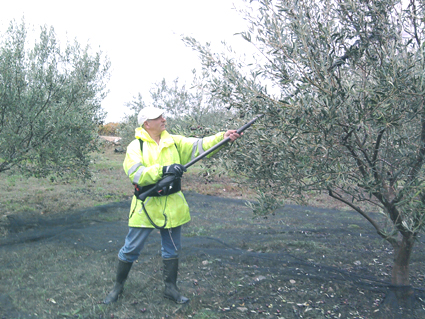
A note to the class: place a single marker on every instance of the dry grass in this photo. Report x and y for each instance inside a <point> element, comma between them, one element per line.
<point>41,196</point>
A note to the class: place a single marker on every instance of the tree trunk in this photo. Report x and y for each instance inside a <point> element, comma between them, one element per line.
<point>400,273</point>
<point>401,294</point>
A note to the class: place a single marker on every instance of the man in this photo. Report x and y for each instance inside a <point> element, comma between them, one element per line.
<point>151,156</point>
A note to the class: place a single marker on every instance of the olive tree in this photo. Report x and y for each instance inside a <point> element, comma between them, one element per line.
<point>50,103</point>
<point>341,84</point>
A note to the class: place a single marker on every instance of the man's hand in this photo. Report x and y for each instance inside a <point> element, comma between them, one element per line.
<point>174,169</point>
<point>232,134</point>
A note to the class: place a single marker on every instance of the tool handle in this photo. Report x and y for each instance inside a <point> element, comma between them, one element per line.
<point>220,144</point>
<point>167,180</point>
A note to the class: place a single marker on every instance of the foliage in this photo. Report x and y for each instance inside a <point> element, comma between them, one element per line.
<point>342,85</point>
<point>49,104</point>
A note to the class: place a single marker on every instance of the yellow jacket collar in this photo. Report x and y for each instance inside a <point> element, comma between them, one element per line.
<point>143,135</point>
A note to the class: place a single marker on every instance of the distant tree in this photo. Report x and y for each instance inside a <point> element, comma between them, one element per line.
<point>342,85</point>
<point>189,111</point>
<point>50,104</point>
<point>129,122</point>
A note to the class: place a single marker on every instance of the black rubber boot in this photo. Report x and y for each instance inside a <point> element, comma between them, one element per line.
<point>171,291</point>
<point>122,274</point>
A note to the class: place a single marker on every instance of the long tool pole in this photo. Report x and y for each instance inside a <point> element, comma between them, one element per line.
<point>167,180</point>
<point>220,144</point>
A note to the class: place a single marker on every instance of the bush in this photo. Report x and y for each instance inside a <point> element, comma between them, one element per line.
<point>109,129</point>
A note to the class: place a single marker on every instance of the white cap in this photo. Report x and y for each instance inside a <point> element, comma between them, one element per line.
<point>149,113</point>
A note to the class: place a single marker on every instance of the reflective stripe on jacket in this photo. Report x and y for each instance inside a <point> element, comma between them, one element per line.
<point>146,169</point>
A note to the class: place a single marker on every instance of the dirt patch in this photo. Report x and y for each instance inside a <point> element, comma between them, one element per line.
<point>303,262</point>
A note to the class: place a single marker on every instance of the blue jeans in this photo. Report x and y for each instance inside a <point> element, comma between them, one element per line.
<point>136,238</point>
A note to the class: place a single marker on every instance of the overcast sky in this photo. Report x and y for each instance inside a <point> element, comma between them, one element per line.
<point>141,38</point>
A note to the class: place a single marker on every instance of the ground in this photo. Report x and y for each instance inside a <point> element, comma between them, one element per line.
<point>317,261</point>
<point>303,262</point>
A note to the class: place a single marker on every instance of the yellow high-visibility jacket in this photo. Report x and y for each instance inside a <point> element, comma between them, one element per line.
<point>146,169</point>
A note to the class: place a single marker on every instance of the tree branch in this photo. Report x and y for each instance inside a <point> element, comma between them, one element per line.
<point>356,208</point>
<point>415,27</point>
<point>360,165</point>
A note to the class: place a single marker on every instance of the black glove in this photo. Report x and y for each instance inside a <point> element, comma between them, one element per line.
<point>174,169</point>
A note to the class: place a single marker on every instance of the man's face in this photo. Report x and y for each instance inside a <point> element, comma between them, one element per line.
<point>157,125</point>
